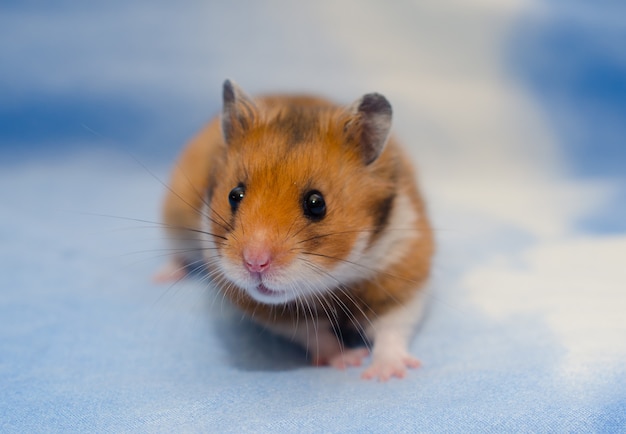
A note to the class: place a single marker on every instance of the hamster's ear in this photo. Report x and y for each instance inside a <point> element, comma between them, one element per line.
<point>369,125</point>
<point>238,111</point>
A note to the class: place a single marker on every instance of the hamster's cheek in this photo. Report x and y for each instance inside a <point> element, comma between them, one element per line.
<point>235,273</point>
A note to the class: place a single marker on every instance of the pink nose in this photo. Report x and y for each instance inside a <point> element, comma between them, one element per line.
<point>257,260</point>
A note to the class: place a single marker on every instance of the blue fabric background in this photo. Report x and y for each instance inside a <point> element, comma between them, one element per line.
<point>515,113</point>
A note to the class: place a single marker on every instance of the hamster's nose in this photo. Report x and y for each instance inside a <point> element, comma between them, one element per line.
<point>257,260</point>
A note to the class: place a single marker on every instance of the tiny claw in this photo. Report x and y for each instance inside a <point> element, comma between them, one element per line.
<point>349,357</point>
<point>384,370</point>
<point>412,362</point>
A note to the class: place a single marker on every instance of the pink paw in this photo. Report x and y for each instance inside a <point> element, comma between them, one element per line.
<point>348,357</point>
<point>384,369</point>
<point>173,271</point>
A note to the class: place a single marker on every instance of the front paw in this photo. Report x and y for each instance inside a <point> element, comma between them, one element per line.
<point>385,367</point>
<point>349,357</point>
<point>174,271</point>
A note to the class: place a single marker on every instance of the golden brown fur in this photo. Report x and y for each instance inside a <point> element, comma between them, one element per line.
<point>279,149</point>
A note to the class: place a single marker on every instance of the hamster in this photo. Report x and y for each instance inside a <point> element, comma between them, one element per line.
<point>307,216</point>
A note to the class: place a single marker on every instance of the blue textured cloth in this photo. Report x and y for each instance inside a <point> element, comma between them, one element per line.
<point>514,114</point>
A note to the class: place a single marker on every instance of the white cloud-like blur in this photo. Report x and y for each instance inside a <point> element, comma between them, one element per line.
<point>576,284</point>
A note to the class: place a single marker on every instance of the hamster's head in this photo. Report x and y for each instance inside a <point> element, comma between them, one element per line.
<point>302,192</point>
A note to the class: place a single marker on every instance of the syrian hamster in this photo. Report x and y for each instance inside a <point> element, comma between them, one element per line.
<point>307,216</point>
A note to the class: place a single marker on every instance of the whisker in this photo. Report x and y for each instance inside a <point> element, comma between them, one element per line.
<point>315,324</point>
<point>205,202</point>
<point>355,231</point>
<point>171,190</point>
<point>172,285</point>
<point>170,252</point>
<point>158,224</point>
<point>335,326</point>
<point>360,266</point>
<point>349,295</point>
<point>288,235</point>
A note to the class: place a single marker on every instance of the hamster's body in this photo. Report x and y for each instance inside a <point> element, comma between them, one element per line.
<point>308,218</point>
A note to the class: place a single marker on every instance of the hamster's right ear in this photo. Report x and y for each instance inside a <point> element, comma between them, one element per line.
<point>238,111</point>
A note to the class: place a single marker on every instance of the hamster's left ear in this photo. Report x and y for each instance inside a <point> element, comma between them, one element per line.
<point>238,111</point>
<point>369,125</point>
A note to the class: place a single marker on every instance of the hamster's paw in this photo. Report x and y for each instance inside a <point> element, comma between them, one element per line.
<point>349,357</point>
<point>173,271</point>
<point>388,366</point>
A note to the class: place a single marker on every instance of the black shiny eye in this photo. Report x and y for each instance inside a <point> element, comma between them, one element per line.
<point>314,205</point>
<point>236,195</point>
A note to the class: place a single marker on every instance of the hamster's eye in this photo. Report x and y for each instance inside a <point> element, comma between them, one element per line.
<point>314,205</point>
<point>236,195</point>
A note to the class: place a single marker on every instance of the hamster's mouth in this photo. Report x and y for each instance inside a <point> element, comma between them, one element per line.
<point>262,289</point>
